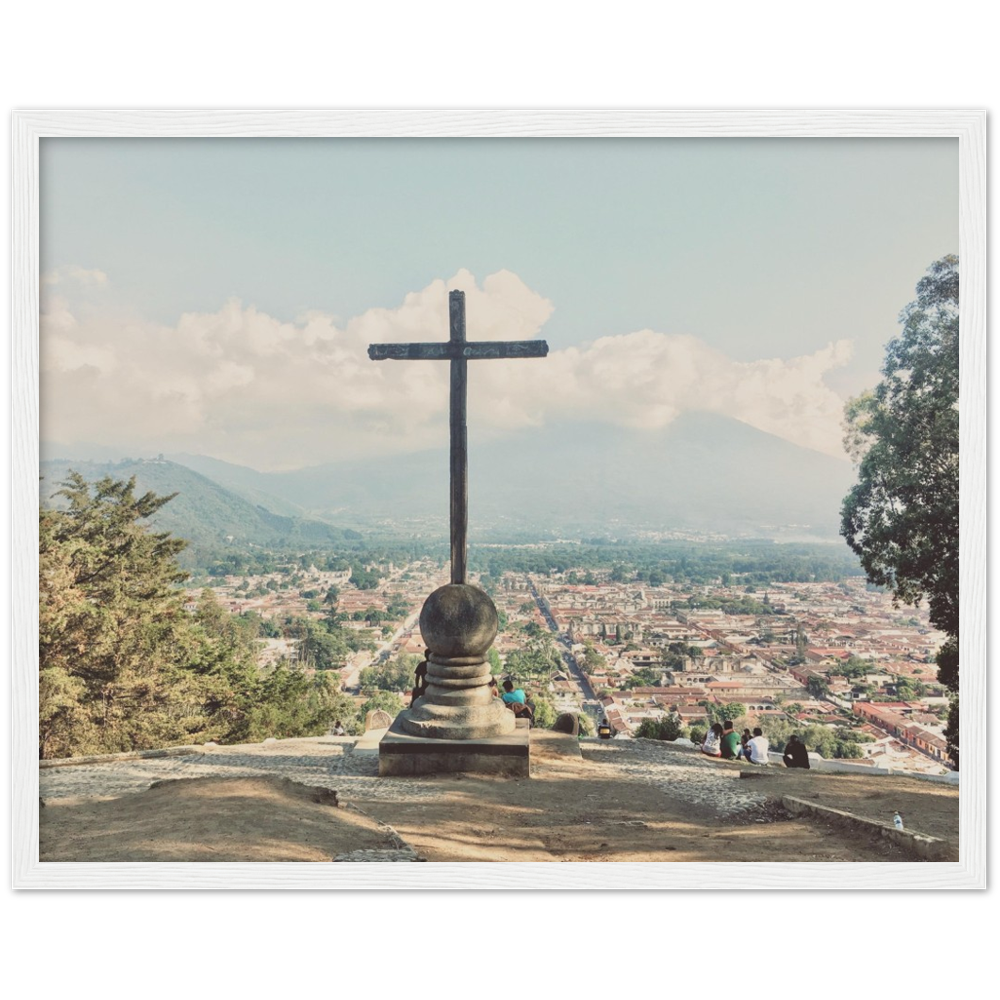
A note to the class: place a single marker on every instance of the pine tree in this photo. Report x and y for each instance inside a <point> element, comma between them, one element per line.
<point>123,666</point>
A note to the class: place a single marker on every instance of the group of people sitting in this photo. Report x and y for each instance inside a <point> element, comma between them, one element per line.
<point>515,698</point>
<point>723,741</point>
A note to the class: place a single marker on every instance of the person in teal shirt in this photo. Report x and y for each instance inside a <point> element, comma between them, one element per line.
<point>512,694</point>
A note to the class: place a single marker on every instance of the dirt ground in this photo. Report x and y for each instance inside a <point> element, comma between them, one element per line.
<point>546,818</point>
<point>571,809</point>
<point>208,819</point>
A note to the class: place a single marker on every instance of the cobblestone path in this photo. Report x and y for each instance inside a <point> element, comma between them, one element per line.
<point>316,761</point>
<point>689,777</point>
<point>333,763</point>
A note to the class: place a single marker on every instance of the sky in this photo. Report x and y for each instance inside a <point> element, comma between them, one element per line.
<point>217,296</point>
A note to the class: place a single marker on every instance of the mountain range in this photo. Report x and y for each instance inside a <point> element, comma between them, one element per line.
<point>701,474</point>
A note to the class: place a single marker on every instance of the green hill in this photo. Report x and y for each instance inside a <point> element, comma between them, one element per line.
<point>211,517</point>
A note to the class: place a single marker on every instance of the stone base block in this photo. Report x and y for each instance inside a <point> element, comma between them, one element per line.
<point>403,755</point>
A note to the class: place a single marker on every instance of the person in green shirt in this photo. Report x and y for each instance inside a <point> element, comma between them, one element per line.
<point>730,741</point>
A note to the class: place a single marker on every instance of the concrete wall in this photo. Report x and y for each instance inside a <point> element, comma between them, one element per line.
<point>847,767</point>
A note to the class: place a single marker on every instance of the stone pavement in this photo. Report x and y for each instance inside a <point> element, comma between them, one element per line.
<point>684,774</point>
<point>349,767</point>
<point>323,761</point>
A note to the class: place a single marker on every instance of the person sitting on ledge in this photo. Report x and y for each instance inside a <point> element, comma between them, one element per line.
<point>713,741</point>
<point>730,745</point>
<point>529,707</point>
<point>795,754</point>
<point>420,685</point>
<point>604,730</point>
<point>512,694</point>
<point>757,748</point>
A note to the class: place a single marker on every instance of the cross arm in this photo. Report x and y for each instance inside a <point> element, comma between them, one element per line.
<point>454,351</point>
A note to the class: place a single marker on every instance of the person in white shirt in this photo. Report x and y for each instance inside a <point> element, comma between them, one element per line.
<point>757,748</point>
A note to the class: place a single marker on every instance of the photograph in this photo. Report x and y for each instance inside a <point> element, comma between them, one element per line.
<point>667,576</point>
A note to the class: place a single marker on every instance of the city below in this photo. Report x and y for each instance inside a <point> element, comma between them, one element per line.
<point>813,658</point>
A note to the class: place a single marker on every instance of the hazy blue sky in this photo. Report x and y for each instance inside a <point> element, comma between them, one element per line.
<point>757,278</point>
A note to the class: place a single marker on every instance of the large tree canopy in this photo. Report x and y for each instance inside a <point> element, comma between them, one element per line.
<point>123,666</point>
<point>902,516</point>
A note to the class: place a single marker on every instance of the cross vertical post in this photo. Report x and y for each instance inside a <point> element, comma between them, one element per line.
<point>459,439</point>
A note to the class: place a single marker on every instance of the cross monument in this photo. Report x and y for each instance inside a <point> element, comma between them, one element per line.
<point>458,621</point>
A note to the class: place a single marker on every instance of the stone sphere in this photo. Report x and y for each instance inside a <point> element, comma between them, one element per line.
<point>459,620</point>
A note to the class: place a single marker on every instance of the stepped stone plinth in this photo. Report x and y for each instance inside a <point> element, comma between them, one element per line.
<point>457,724</point>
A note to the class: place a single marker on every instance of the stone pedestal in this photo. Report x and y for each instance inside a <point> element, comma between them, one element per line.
<point>453,726</point>
<point>401,754</point>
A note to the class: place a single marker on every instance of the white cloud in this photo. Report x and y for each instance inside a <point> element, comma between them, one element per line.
<point>75,273</point>
<point>243,386</point>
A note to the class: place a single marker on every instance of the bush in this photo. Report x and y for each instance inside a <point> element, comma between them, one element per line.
<point>668,728</point>
<point>697,735</point>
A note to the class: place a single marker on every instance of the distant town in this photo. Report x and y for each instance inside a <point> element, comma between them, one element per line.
<point>820,658</point>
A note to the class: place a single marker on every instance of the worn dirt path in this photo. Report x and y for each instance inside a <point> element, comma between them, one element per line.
<point>619,801</point>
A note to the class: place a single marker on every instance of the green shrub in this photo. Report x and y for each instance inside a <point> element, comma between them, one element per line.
<point>668,728</point>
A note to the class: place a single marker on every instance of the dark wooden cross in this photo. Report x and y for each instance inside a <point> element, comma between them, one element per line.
<point>458,351</point>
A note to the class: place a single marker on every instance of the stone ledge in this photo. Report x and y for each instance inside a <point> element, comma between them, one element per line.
<point>108,758</point>
<point>923,846</point>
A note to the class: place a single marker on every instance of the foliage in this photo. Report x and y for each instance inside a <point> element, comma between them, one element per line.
<point>902,516</point>
<point>698,734</point>
<point>755,561</point>
<point>319,647</point>
<point>537,659</point>
<point>122,665</point>
<point>388,701</point>
<point>592,660</point>
<point>545,712</point>
<point>287,703</point>
<point>667,728</point>
<point>908,690</point>
<point>741,604</point>
<point>842,742</point>
<point>110,620</point>
<point>817,686</point>
<point>855,666</point>
<point>366,578</point>
<point>393,675</point>
<point>725,713</point>
<point>644,677</point>
<point>951,731</point>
